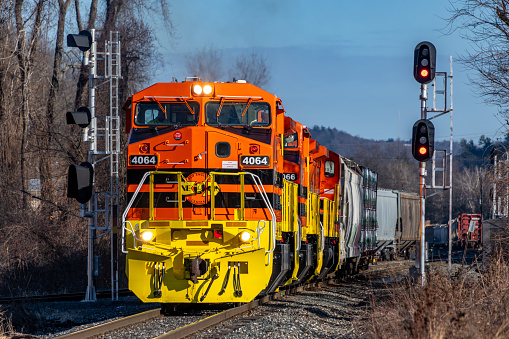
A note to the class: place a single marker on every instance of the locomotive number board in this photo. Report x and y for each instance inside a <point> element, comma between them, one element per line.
<point>290,176</point>
<point>254,160</point>
<point>143,160</point>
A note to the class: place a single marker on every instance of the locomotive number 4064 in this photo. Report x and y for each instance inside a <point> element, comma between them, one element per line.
<point>249,160</point>
<point>143,160</point>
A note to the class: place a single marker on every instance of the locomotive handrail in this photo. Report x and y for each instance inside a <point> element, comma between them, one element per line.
<point>259,185</point>
<point>133,198</point>
<point>271,210</point>
<point>175,163</point>
<point>133,231</point>
<point>259,231</point>
<point>290,219</point>
<point>297,249</point>
<point>257,182</point>
<point>128,207</point>
<point>322,240</point>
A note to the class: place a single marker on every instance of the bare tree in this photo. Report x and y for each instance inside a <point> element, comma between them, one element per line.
<point>206,64</point>
<point>251,67</point>
<point>485,24</point>
<point>26,47</point>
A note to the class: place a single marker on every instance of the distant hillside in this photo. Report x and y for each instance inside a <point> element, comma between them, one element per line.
<point>397,169</point>
<point>354,147</point>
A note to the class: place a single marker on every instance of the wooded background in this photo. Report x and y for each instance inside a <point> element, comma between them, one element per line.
<point>44,239</point>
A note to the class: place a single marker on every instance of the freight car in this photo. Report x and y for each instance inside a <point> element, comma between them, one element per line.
<point>398,223</point>
<point>229,198</point>
<point>467,230</point>
<point>437,236</point>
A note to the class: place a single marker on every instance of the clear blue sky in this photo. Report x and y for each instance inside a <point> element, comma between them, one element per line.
<point>342,64</point>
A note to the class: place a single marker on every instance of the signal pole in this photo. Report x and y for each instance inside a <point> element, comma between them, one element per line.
<point>422,192</point>
<point>103,136</point>
<point>423,135</point>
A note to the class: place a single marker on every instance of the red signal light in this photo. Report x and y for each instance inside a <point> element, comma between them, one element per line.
<point>424,73</point>
<point>423,150</point>
<point>253,149</point>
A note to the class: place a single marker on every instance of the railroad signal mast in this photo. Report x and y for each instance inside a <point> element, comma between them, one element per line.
<point>103,136</point>
<point>423,134</point>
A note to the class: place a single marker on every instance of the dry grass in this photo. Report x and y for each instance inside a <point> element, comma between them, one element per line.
<point>473,303</point>
<point>6,329</point>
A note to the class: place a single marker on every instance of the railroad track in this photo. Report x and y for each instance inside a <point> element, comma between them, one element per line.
<point>181,332</point>
<point>198,323</point>
<point>64,297</point>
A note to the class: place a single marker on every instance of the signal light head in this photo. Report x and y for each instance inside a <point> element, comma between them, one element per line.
<point>424,62</point>
<point>81,117</point>
<point>83,40</point>
<point>423,136</point>
<point>80,180</point>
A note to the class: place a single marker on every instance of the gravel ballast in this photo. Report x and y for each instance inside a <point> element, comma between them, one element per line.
<point>332,311</point>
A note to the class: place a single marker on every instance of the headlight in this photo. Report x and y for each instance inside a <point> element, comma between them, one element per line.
<point>197,89</point>
<point>207,89</point>
<point>245,236</point>
<point>147,236</point>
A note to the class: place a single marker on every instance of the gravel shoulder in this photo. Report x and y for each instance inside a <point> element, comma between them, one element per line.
<point>329,312</point>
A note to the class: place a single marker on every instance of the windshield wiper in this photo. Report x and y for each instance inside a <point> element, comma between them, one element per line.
<point>221,102</point>
<point>158,103</point>
<point>187,104</point>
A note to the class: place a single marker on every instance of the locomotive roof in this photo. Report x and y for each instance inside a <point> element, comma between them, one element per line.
<point>228,90</point>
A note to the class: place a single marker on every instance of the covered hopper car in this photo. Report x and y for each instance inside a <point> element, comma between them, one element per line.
<point>398,223</point>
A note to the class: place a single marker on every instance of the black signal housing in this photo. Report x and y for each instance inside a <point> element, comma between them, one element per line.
<point>423,140</point>
<point>83,40</point>
<point>81,117</point>
<point>424,62</point>
<point>80,180</point>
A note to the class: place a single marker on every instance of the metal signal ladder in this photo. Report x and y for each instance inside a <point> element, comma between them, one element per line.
<point>105,142</point>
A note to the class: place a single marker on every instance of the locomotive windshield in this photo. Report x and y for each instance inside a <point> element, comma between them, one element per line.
<point>257,114</point>
<point>167,113</point>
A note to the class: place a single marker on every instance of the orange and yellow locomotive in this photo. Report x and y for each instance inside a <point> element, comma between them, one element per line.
<point>228,198</point>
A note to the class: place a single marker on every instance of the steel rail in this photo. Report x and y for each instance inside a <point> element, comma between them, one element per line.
<point>114,325</point>
<point>216,319</point>
<point>62,297</point>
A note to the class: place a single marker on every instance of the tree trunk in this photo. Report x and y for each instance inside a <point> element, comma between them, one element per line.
<point>47,126</point>
<point>82,85</point>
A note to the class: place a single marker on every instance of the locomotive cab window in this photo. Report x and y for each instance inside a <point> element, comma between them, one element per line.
<point>167,114</point>
<point>291,141</point>
<point>257,114</point>
<point>329,169</point>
